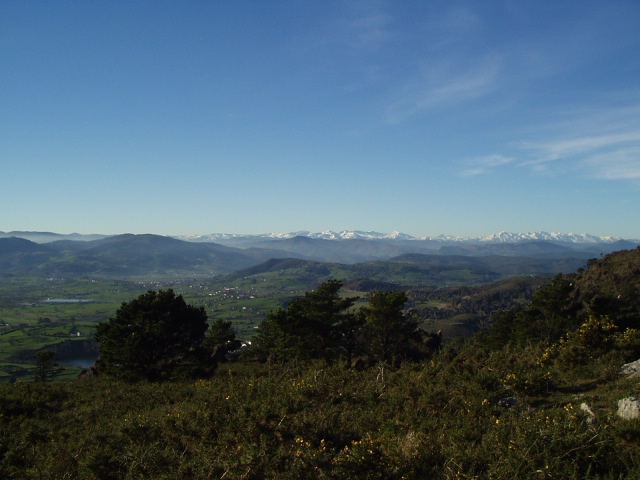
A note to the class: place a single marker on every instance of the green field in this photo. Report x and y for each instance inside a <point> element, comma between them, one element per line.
<point>40,313</point>
<point>51,313</point>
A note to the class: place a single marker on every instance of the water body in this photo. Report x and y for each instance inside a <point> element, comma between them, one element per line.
<point>64,301</point>
<point>79,362</point>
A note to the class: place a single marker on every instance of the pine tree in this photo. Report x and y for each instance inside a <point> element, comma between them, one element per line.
<point>153,337</point>
<point>46,367</point>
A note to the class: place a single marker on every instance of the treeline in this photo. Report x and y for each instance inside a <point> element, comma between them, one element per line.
<point>324,325</point>
<point>158,336</point>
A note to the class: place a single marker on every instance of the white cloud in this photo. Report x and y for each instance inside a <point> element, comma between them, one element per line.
<point>483,165</point>
<point>364,27</point>
<point>445,84</point>
<point>622,164</point>
<point>599,143</point>
<point>572,147</point>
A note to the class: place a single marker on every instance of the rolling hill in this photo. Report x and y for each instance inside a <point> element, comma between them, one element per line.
<point>122,256</point>
<point>139,255</point>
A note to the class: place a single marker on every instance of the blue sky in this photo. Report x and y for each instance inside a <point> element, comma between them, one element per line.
<point>439,117</point>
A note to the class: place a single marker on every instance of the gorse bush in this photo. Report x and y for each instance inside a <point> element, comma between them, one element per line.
<point>593,339</point>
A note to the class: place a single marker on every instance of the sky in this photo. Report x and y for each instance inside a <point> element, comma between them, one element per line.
<point>428,118</point>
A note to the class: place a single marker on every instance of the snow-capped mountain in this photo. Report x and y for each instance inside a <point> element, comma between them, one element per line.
<point>502,237</point>
<point>326,235</point>
<point>506,237</point>
<point>346,246</point>
<point>497,238</point>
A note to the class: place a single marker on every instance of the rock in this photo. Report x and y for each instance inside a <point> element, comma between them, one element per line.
<point>93,371</point>
<point>631,369</point>
<point>629,408</point>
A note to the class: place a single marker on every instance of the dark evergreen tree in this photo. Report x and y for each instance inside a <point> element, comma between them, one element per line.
<point>46,367</point>
<point>388,335</point>
<point>153,337</point>
<point>551,313</point>
<point>274,340</point>
<point>503,327</point>
<point>347,336</point>
<point>220,341</point>
<point>314,326</point>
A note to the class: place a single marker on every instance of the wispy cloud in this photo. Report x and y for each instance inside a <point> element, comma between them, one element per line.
<point>574,147</point>
<point>483,165</point>
<point>363,28</point>
<point>618,165</point>
<point>445,84</point>
<point>368,28</point>
<point>602,144</point>
<point>453,64</point>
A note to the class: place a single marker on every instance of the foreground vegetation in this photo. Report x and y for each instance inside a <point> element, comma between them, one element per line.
<point>467,413</point>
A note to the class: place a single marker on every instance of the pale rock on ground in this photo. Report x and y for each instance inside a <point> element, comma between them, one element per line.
<point>629,408</point>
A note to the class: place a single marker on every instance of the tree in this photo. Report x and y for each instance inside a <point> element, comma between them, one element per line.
<point>313,326</point>
<point>347,335</point>
<point>153,337</point>
<point>553,311</point>
<point>46,367</point>
<point>221,340</point>
<point>320,316</point>
<point>388,334</point>
<point>275,340</point>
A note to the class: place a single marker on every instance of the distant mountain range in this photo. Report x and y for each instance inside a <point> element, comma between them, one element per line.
<point>502,237</point>
<point>51,254</point>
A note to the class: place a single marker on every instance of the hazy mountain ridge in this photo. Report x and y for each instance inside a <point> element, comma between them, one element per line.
<point>135,255</point>
<point>122,256</point>
<point>501,237</point>
<point>27,253</point>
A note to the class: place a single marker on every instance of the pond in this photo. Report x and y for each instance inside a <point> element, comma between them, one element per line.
<point>86,362</point>
<point>63,301</point>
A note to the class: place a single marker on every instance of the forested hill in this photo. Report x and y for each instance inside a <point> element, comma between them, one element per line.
<point>616,276</point>
<point>122,256</point>
<point>608,288</point>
